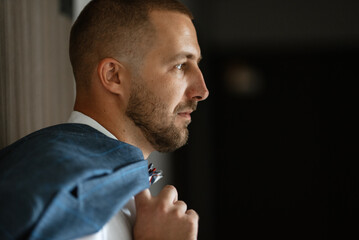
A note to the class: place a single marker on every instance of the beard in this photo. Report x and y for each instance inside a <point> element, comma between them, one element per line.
<point>157,123</point>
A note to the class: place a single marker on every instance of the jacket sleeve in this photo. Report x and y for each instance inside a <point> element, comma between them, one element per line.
<point>74,210</point>
<point>65,182</point>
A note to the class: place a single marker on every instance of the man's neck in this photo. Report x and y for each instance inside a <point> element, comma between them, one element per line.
<point>121,127</point>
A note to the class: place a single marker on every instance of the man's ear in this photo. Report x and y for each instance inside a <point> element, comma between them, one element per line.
<point>112,75</point>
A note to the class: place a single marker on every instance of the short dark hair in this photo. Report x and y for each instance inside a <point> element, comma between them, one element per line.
<point>113,28</point>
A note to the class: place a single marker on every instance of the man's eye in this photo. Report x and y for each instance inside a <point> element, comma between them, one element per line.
<point>180,66</point>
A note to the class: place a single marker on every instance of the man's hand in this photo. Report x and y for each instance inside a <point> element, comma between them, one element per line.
<point>164,217</point>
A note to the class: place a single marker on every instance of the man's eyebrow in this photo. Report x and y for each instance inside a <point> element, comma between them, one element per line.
<point>185,55</point>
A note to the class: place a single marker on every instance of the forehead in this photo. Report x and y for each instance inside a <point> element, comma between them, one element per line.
<point>174,34</point>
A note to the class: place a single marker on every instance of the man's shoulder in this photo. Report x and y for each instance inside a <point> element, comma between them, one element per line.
<point>70,143</point>
<point>61,137</point>
<point>65,131</point>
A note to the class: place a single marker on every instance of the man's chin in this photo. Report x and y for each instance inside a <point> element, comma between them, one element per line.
<point>182,123</point>
<point>172,143</point>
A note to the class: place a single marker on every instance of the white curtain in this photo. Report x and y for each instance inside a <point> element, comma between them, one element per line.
<point>36,82</point>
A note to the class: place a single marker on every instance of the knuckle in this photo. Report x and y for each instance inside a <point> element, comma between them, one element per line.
<point>180,208</point>
<point>181,203</point>
<point>177,214</point>
<point>193,215</point>
<point>171,188</point>
<point>162,207</point>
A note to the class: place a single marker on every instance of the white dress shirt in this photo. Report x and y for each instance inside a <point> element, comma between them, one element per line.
<point>121,225</point>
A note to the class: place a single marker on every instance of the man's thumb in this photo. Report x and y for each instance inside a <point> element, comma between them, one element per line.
<point>142,197</point>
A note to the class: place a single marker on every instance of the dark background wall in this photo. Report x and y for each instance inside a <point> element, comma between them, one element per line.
<point>272,152</point>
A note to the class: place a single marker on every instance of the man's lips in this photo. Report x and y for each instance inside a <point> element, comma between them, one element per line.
<point>184,110</point>
<point>186,114</point>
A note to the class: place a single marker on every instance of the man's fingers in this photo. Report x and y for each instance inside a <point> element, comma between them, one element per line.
<point>181,206</point>
<point>192,213</point>
<point>164,217</point>
<point>168,194</point>
<point>142,197</point>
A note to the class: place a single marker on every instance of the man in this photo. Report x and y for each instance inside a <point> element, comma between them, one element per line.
<point>137,81</point>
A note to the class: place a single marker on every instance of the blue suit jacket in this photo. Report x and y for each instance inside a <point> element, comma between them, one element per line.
<point>66,181</point>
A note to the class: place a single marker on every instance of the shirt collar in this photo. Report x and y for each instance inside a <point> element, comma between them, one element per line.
<point>78,117</point>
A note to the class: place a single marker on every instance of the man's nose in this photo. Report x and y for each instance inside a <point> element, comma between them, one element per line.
<point>198,89</point>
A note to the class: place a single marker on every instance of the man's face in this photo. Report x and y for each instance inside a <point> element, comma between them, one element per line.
<point>169,84</point>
